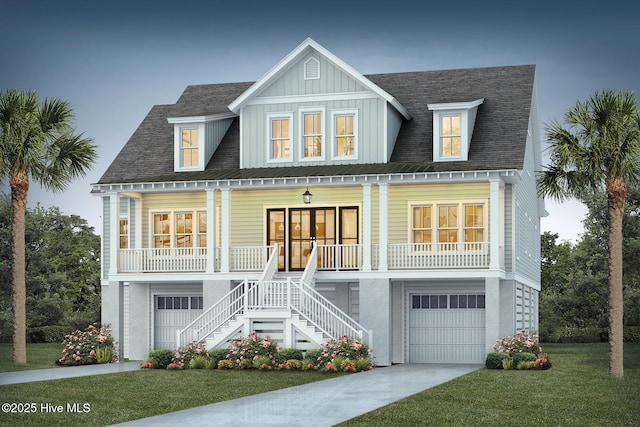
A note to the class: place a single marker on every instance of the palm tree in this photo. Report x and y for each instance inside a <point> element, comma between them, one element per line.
<point>600,149</point>
<point>37,141</point>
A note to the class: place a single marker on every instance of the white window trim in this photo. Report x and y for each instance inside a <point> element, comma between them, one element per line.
<point>272,116</point>
<point>306,75</point>
<point>172,225</point>
<point>434,217</point>
<point>177,144</point>
<point>301,113</point>
<point>467,113</point>
<point>356,131</point>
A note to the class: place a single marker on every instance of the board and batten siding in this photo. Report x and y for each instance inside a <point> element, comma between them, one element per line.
<point>255,132</point>
<point>214,132</point>
<point>394,121</point>
<point>332,80</point>
<point>401,196</point>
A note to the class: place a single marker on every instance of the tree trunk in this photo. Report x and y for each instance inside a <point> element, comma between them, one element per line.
<point>616,194</point>
<point>19,183</point>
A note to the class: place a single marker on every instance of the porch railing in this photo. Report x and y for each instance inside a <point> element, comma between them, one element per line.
<point>438,255</point>
<point>339,257</point>
<point>400,256</point>
<point>162,260</point>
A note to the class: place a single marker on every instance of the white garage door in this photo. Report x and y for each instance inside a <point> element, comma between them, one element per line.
<point>173,313</point>
<point>446,328</point>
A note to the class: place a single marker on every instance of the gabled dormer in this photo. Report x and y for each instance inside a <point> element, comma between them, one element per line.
<point>195,139</point>
<point>312,108</point>
<point>453,125</point>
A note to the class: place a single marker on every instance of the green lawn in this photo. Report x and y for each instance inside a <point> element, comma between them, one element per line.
<point>39,356</point>
<point>577,391</point>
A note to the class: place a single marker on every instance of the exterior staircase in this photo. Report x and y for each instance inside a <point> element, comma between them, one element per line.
<point>288,310</point>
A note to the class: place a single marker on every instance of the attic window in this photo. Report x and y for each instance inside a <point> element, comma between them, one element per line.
<point>311,69</point>
<point>453,125</point>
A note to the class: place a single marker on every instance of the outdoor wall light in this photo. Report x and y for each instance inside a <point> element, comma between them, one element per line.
<point>306,196</point>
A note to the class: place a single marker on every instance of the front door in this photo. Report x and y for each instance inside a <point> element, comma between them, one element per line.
<point>308,227</point>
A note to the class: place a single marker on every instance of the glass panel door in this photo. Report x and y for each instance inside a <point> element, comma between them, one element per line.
<point>306,227</point>
<point>276,233</point>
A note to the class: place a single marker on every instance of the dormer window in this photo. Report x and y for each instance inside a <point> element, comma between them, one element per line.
<point>452,129</point>
<point>189,148</point>
<point>312,69</point>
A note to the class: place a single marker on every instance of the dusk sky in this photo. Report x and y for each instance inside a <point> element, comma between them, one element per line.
<point>114,60</point>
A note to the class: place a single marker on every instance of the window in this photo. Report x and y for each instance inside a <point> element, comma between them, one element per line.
<point>178,303</point>
<point>453,301</point>
<point>312,130</point>
<point>446,227</point>
<point>179,230</point>
<point>202,230</point>
<point>344,134</point>
<point>184,230</point>
<point>453,125</point>
<point>473,223</point>
<point>189,148</point>
<point>421,229</point>
<point>450,136</point>
<point>161,230</point>
<point>448,223</point>
<point>124,233</point>
<point>280,138</point>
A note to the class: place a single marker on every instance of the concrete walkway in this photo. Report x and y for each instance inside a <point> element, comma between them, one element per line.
<point>321,403</point>
<point>66,372</point>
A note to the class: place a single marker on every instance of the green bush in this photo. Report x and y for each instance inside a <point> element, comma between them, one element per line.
<point>263,362</point>
<point>494,360</point>
<point>524,366</point>
<point>574,335</point>
<point>632,333</point>
<point>523,357</point>
<point>217,354</point>
<point>54,333</point>
<point>226,364</point>
<point>312,355</point>
<point>294,364</point>
<point>198,362</point>
<point>291,354</point>
<point>160,358</point>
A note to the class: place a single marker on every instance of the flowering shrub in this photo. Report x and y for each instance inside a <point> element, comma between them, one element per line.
<point>88,347</point>
<point>246,350</point>
<point>542,362</point>
<point>183,355</point>
<point>336,351</point>
<point>519,343</point>
<point>147,365</point>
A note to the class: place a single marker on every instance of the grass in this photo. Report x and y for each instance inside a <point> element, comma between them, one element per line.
<point>39,356</point>
<point>577,391</point>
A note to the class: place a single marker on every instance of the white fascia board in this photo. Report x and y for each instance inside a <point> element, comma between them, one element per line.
<point>455,105</point>
<point>201,119</point>
<point>284,63</point>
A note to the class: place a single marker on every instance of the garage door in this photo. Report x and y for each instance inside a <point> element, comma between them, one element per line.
<point>173,313</point>
<point>446,328</point>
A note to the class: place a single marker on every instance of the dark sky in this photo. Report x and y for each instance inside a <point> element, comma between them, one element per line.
<point>113,60</point>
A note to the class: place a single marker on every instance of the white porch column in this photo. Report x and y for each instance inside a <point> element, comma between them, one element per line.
<point>384,227</point>
<point>492,312</point>
<point>495,221</point>
<point>211,231</point>
<point>225,223</point>
<point>114,232</point>
<point>366,227</point>
<point>137,222</point>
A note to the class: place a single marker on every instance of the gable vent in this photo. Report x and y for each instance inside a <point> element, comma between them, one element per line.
<point>312,69</point>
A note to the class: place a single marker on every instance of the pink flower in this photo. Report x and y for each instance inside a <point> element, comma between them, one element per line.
<point>102,338</point>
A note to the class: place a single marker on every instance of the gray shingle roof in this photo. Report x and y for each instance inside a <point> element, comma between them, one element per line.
<point>498,140</point>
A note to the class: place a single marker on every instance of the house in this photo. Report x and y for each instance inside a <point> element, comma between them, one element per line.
<point>315,202</point>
